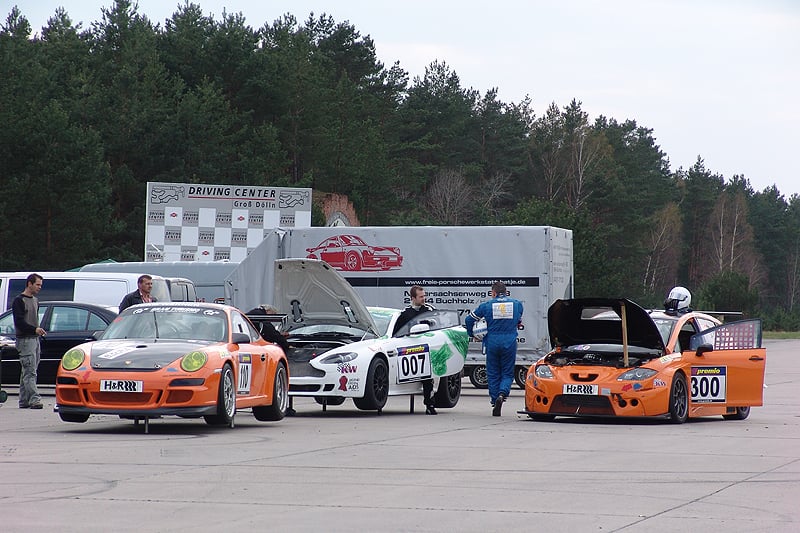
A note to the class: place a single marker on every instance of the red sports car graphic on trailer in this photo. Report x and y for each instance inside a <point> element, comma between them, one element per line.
<point>349,252</point>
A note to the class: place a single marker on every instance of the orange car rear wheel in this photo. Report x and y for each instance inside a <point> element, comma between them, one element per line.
<point>280,398</point>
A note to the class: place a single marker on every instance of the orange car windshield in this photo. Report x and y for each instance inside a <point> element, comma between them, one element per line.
<point>185,323</point>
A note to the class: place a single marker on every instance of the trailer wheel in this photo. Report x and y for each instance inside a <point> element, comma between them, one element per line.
<point>477,376</point>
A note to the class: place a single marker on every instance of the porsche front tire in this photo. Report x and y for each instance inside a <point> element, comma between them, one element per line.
<point>226,400</point>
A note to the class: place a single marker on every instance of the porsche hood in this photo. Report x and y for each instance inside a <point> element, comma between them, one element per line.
<point>311,292</point>
<point>598,321</point>
<point>133,354</point>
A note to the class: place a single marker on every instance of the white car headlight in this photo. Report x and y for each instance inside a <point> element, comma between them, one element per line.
<point>637,374</point>
<point>543,371</point>
<point>338,358</point>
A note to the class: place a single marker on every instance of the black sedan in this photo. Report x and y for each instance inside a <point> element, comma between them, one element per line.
<point>67,324</point>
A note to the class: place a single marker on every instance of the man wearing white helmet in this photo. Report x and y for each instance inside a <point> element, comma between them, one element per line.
<point>678,301</point>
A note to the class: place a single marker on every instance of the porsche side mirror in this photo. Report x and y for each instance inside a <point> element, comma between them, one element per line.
<point>240,338</point>
<point>703,348</point>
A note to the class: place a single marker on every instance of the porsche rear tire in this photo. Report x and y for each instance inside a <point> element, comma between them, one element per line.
<point>477,376</point>
<point>377,387</point>
<point>74,417</point>
<point>449,391</point>
<point>740,414</point>
<point>520,373</point>
<point>226,400</point>
<point>280,398</point>
<point>678,400</point>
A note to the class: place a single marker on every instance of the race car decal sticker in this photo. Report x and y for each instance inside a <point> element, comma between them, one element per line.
<point>113,354</point>
<point>709,384</point>
<point>347,368</point>
<point>245,372</point>
<point>413,363</point>
<point>659,383</point>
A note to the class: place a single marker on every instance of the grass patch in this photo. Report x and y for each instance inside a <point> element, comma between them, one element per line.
<point>780,334</point>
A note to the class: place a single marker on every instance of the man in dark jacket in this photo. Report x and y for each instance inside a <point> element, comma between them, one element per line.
<point>25,309</point>
<point>139,296</point>
<point>418,306</point>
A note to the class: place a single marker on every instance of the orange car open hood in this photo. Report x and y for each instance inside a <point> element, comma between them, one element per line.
<point>597,321</point>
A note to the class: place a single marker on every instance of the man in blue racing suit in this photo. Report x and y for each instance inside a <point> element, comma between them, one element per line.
<point>502,314</point>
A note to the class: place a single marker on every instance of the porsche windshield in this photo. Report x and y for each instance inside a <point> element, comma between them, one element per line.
<point>187,323</point>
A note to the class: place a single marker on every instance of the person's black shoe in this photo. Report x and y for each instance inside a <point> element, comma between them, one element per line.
<point>498,405</point>
<point>36,406</point>
<point>430,410</point>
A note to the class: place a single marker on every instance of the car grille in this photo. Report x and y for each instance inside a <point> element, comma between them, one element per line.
<point>124,398</point>
<point>577,404</point>
<point>297,370</point>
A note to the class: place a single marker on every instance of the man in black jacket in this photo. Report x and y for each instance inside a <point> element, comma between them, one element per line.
<point>418,306</point>
<point>25,309</point>
<point>139,296</point>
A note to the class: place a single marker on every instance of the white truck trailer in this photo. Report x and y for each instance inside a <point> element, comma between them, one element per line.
<point>455,264</point>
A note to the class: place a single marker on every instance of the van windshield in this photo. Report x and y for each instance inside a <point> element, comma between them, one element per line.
<point>160,290</point>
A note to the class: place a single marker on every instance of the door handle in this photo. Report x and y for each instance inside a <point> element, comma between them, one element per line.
<point>756,358</point>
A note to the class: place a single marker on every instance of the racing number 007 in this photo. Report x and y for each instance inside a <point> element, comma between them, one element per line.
<point>412,366</point>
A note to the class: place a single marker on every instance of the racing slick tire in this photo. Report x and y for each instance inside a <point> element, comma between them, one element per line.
<point>376,390</point>
<point>280,398</point>
<point>226,400</point>
<point>678,399</point>
<point>449,391</point>
<point>329,400</point>
<point>740,414</point>
<point>477,376</point>
<point>80,418</point>
<point>520,373</point>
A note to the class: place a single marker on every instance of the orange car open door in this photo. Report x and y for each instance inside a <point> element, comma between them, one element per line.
<point>732,373</point>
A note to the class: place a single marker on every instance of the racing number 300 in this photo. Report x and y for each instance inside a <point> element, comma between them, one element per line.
<point>708,384</point>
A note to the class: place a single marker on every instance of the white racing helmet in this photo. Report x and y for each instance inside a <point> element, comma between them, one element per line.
<point>479,329</point>
<point>678,300</point>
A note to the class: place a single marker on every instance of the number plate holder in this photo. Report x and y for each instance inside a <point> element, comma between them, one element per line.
<point>121,385</point>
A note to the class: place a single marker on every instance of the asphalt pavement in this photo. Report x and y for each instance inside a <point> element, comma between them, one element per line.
<point>463,470</point>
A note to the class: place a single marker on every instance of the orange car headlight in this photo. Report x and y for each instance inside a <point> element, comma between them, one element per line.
<point>73,359</point>
<point>637,374</point>
<point>193,361</point>
<point>543,371</point>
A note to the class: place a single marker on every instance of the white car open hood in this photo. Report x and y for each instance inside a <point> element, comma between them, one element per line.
<point>311,292</point>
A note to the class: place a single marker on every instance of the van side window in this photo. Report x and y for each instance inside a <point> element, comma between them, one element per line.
<point>52,289</point>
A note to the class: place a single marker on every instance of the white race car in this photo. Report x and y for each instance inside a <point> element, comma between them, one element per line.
<point>342,349</point>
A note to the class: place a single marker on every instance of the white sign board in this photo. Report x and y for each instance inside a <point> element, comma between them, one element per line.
<point>202,222</point>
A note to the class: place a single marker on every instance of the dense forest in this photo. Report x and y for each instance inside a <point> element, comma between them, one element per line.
<point>89,116</point>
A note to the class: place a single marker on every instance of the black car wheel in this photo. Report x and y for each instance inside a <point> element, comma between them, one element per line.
<point>678,400</point>
<point>477,376</point>
<point>377,387</point>
<point>740,414</point>
<point>226,400</point>
<point>520,373</point>
<point>449,391</point>
<point>280,398</point>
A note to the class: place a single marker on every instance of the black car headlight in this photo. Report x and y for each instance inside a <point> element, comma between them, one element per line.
<point>637,374</point>
<point>335,359</point>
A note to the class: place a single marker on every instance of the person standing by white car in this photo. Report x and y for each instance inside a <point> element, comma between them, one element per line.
<point>418,306</point>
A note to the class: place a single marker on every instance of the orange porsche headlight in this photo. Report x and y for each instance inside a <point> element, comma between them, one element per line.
<point>193,361</point>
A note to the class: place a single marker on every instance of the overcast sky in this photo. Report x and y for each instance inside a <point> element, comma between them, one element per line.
<point>717,79</point>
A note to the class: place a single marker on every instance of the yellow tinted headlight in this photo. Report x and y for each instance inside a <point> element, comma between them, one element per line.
<point>73,359</point>
<point>193,361</point>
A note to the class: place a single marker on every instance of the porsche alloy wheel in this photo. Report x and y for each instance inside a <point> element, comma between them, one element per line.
<point>477,376</point>
<point>377,387</point>
<point>280,398</point>
<point>740,414</point>
<point>226,400</point>
<point>678,400</point>
<point>449,391</point>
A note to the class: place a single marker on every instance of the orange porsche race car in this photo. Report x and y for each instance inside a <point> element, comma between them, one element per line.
<point>613,358</point>
<point>184,359</point>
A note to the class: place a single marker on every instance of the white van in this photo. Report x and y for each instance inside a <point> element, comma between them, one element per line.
<point>106,289</point>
